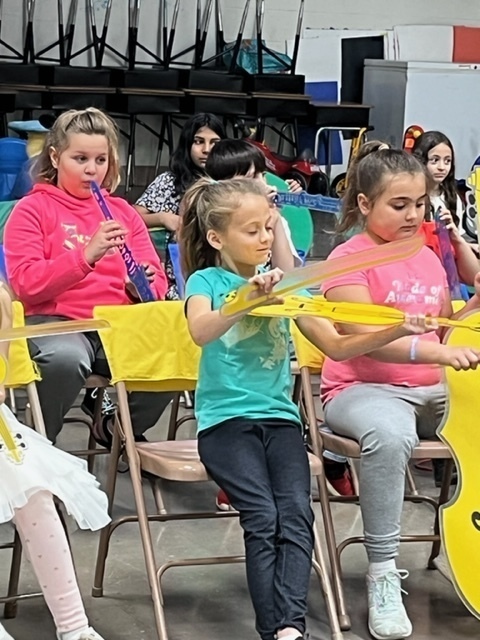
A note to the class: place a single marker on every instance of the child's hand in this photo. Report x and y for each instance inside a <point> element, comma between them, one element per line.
<point>149,272</point>
<point>108,236</point>
<point>419,323</point>
<point>460,358</point>
<point>271,194</point>
<point>130,287</point>
<point>2,394</point>
<point>446,218</point>
<point>265,283</point>
<point>294,186</point>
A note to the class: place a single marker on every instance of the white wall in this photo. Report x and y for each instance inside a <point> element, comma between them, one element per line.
<point>281,15</point>
<point>279,24</point>
<point>280,19</point>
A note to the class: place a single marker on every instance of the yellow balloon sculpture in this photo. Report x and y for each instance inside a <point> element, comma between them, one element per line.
<point>13,451</point>
<point>460,518</point>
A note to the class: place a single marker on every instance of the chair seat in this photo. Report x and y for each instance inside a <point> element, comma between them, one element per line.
<point>351,449</point>
<point>175,460</point>
<point>94,381</point>
<point>431,449</point>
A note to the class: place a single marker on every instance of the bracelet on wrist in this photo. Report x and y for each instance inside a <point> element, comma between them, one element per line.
<point>413,348</point>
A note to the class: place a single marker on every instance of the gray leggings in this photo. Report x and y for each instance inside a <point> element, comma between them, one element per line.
<point>65,362</point>
<point>387,421</point>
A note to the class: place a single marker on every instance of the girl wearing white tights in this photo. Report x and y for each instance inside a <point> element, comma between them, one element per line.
<point>27,489</point>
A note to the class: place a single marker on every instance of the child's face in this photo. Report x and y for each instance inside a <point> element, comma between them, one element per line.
<point>83,161</point>
<point>399,211</point>
<point>439,163</point>
<point>247,240</point>
<point>203,142</point>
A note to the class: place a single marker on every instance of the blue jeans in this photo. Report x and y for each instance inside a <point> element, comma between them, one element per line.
<point>263,467</point>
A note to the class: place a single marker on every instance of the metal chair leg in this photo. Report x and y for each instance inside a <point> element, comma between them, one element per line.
<point>106,532</point>
<point>321,569</point>
<point>442,499</point>
<point>10,609</point>
<point>336,571</point>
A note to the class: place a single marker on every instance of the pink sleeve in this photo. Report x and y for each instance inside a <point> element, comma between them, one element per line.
<point>33,278</point>
<point>142,248</point>
<point>353,278</point>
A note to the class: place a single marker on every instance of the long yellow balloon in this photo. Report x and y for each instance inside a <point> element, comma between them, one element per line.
<point>350,312</point>
<point>52,329</point>
<point>241,299</point>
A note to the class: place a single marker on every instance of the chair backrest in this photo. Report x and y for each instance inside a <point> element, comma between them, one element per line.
<point>13,156</point>
<point>5,211</point>
<point>299,218</point>
<point>22,370</point>
<point>174,251</point>
<point>148,346</point>
<point>307,354</point>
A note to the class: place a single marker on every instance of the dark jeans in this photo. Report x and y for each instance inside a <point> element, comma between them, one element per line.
<point>65,362</point>
<point>263,468</point>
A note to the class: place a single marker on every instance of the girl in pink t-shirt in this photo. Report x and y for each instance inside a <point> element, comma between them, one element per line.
<point>386,400</point>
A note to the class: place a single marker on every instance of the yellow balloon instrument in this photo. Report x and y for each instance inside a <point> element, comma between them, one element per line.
<point>246,297</point>
<point>460,517</point>
<point>351,312</point>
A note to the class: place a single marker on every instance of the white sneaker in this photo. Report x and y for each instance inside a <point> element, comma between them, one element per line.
<point>387,618</point>
<point>88,634</point>
<point>4,635</point>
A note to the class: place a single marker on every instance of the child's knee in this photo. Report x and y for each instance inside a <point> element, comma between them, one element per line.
<point>65,361</point>
<point>389,442</point>
<point>298,511</point>
<point>261,522</point>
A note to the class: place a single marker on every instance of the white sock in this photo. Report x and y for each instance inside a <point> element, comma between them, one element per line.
<point>291,636</point>
<point>377,569</point>
<point>73,635</point>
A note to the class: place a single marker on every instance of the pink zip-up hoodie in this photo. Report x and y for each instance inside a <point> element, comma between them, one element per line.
<point>45,239</point>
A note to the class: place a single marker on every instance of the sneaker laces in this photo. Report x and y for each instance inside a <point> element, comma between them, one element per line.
<point>387,589</point>
<point>108,406</point>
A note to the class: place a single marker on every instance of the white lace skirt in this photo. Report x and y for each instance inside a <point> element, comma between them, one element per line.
<point>45,468</point>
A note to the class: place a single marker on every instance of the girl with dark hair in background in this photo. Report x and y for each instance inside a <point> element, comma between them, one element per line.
<point>160,203</point>
<point>435,151</point>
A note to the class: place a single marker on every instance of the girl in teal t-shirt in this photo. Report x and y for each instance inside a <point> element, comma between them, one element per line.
<point>250,436</point>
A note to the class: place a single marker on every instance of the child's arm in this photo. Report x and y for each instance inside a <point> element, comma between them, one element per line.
<point>400,351</point>
<point>166,219</point>
<point>282,256</point>
<point>325,337</point>
<point>155,204</point>
<point>141,246</point>
<point>471,305</point>
<point>206,324</point>
<point>467,263</point>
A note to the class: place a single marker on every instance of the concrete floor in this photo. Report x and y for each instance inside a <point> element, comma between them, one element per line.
<point>212,602</point>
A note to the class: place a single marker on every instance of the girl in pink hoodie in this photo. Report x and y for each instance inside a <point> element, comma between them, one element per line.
<point>62,260</point>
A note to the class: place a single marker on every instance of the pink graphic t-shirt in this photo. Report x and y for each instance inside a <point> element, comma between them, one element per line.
<point>416,285</point>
